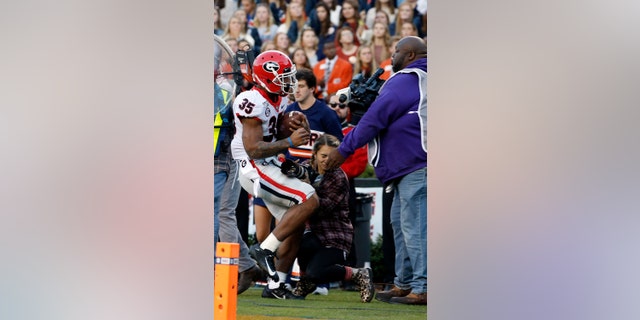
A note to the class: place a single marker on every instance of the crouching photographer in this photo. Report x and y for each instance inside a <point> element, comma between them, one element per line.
<point>394,127</point>
<point>328,233</point>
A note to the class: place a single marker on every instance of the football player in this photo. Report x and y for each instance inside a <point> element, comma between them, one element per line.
<point>255,148</point>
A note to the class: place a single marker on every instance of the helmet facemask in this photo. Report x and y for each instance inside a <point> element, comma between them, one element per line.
<point>287,81</point>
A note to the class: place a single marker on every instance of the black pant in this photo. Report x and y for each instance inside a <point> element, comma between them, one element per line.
<point>320,264</point>
<point>352,258</point>
<point>388,246</point>
<point>242,215</point>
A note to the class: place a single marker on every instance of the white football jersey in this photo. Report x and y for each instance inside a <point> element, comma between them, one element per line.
<point>251,104</point>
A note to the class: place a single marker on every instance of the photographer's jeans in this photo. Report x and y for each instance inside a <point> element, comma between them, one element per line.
<point>218,184</point>
<point>226,193</point>
<point>409,222</point>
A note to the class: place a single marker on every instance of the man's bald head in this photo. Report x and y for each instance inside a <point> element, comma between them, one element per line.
<point>408,50</point>
<point>415,44</point>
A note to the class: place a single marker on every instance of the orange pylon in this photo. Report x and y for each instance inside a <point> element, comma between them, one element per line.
<point>226,281</point>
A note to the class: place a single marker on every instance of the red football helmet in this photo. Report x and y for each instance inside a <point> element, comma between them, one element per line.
<point>275,72</point>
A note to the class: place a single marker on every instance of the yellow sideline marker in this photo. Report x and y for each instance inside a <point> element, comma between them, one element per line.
<point>226,281</point>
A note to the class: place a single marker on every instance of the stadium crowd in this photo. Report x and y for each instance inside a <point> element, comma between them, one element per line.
<point>295,27</point>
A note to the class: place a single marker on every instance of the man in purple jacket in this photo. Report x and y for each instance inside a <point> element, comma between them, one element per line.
<point>395,129</point>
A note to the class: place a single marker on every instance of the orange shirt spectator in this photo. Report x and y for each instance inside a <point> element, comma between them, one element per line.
<point>341,72</point>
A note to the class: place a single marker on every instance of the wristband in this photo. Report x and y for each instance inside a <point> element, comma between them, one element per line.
<point>290,142</point>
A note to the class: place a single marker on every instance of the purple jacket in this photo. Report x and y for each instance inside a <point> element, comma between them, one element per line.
<point>393,127</point>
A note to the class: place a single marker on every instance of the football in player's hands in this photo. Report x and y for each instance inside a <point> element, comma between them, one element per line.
<point>285,126</point>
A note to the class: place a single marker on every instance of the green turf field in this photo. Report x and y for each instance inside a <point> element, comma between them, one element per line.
<point>338,305</point>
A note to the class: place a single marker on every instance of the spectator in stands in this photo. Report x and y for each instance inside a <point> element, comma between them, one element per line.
<point>419,9</point>
<point>382,17</point>
<point>240,14</point>
<point>349,17</point>
<point>294,21</point>
<point>332,72</point>
<point>236,29</point>
<point>365,65</point>
<point>386,6</point>
<point>309,43</point>
<point>300,59</point>
<point>283,43</point>
<point>322,25</point>
<point>380,43</point>
<point>408,29</point>
<point>263,22</point>
<point>347,48</point>
<point>404,14</point>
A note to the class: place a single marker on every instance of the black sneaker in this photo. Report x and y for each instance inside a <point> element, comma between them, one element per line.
<point>304,287</point>
<point>280,293</point>
<point>364,279</point>
<point>265,259</point>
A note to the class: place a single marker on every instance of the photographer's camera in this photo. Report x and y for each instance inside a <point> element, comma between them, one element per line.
<point>361,93</point>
